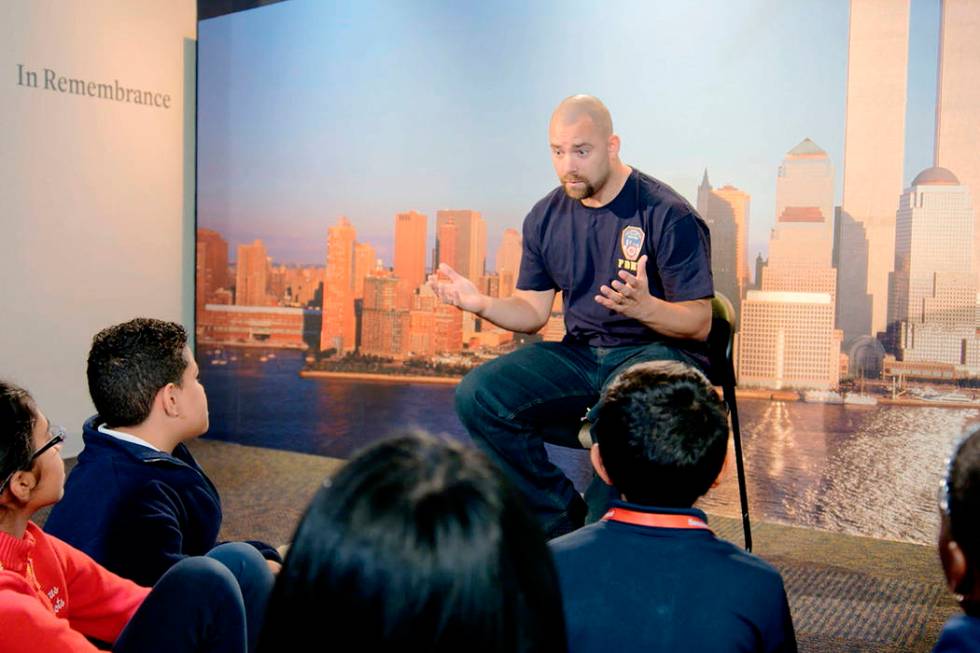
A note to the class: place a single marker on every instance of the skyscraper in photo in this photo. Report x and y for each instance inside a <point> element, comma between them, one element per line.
<point>365,261</point>
<point>725,211</point>
<point>338,330</point>
<point>933,304</point>
<point>410,232</point>
<point>801,244</point>
<point>740,202</point>
<point>470,246</point>
<point>788,340</point>
<point>212,265</point>
<point>434,327</point>
<point>787,336</point>
<point>447,245</point>
<point>509,261</point>
<point>252,275</point>
<point>874,147</point>
<point>958,100</point>
<point>385,328</point>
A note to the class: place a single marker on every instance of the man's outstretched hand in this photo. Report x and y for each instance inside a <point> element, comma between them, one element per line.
<point>453,288</point>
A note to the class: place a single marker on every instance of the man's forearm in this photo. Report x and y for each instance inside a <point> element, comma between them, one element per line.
<point>513,314</point>
<point>688,320</point>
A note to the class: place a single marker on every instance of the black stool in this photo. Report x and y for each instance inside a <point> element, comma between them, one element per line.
<point>722,373</point>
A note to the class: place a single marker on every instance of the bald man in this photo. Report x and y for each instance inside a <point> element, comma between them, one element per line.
<point>632,259</point>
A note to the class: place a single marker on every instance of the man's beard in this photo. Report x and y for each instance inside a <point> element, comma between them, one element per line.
<point>585,191</point>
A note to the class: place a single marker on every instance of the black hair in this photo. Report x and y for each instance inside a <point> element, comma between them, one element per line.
<point>129,363</point>
<point>963,487</point>
<point>662,433</point>
<point>417,544</point>
<point>18,416</point>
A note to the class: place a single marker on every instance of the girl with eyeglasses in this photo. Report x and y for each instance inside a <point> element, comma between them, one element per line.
<point>959,545</point>
<point>55,598</point>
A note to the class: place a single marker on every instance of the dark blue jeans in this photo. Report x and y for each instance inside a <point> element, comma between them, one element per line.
<point>212,604</point>
<point>512,405</point>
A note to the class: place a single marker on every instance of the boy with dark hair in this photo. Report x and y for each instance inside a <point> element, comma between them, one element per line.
<point>137,501</point>
<point>959,545</point>
<point>53,597</point>
<point>650,575</point>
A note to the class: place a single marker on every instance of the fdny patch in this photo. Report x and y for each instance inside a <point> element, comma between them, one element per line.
<point>631,241</point>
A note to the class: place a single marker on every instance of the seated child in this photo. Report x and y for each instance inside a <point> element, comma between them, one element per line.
<point>53,597</point>
<point>417,545</point>
<point>959,545</point>
<point>137,501</point>
<point>651,576</point>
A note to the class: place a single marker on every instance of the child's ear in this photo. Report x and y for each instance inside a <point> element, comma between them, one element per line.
<point>724,468</point>
<point>958,576</point>
<point>598,465</point>
<point>167,396</point>
<point>21,484</point>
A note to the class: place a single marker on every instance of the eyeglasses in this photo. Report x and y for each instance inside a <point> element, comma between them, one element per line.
<point>942,497</point>
<point>57,434</point>
<point>946,484</point>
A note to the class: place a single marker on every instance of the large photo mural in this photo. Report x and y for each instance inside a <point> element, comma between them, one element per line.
<point>345,150</point>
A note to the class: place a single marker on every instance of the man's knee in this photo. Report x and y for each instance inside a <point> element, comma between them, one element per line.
<point>469,394</point>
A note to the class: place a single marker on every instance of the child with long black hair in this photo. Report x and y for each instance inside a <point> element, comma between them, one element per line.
<point>417,545</point>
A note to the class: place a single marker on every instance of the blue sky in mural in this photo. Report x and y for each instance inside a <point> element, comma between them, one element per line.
<point>311,110</point>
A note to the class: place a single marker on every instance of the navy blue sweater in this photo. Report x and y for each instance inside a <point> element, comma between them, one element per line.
<point>640,588</point>
<point>960,635</point>
<point>137,511</point>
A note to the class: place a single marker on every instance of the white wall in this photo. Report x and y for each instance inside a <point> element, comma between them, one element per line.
<point>96,195</point>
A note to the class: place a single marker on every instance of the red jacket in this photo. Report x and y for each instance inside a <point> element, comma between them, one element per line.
<point>52,596</point>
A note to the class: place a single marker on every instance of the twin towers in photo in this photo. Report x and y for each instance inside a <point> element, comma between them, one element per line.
<point>886,282</point>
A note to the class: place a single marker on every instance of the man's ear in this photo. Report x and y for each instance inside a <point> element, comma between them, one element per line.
<point>613,145</point>
<point>598,465</point>
<point>167,396</point>
<point>724,468</point>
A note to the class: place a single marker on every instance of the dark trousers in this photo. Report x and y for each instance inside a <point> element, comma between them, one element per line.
<point>211,604</point>
<point>512,405</point>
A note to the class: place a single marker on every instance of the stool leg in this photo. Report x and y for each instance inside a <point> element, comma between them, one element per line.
<point>729,391</point>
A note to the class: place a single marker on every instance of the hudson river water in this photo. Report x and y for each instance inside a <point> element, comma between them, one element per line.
<point>855,469</point>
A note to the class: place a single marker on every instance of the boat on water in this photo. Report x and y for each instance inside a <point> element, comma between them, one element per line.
<point>860,399</point>
<point>950,396</point>
<point>822,397</point>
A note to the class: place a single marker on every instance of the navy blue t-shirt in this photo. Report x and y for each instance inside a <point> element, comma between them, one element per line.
<point>576,249</point>
<point>642,588</point>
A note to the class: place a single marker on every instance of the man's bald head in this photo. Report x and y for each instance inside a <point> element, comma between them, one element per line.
<point>575,107</point>
<point>585,151</point>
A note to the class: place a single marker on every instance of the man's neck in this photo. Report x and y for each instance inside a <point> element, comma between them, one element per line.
<point>614,184</point>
